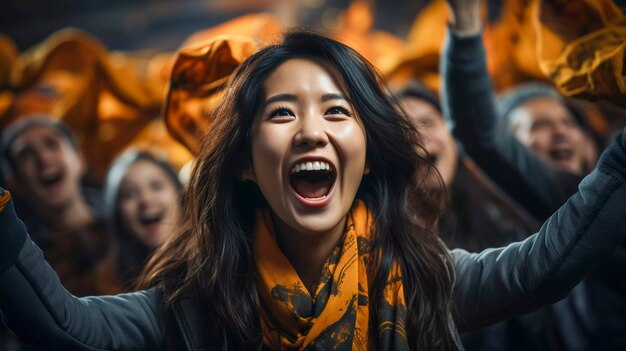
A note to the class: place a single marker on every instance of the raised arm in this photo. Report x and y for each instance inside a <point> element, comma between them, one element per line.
<point>497,284</point>
<point>42,313</point>
<point>467,100</point>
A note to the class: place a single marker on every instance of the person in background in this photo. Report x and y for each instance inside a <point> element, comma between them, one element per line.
<point>42,161</point>
<point>530,142</point>
<point>478,215</point>
<point>543,121</point>
<point>143,207</point>
<point>534,149</point>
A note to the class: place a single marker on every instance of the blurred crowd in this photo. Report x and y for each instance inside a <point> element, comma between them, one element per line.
<point>96,145</point>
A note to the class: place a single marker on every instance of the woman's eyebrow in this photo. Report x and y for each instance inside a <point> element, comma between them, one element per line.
<point>292,98</point>
<point>281,97</point>
<point>327,97</point>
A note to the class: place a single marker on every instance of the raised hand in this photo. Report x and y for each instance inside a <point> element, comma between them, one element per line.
<point>464,16</point>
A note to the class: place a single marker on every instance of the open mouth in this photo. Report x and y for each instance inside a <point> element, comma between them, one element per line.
<point>151,219</point>
<point>51,179</point>
<point>312,180</point>
<point>561,154</point>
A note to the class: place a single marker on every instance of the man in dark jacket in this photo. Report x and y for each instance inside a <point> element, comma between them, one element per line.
<point>42,162</point>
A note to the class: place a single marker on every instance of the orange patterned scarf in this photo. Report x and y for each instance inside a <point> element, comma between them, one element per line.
<point>337,317</point>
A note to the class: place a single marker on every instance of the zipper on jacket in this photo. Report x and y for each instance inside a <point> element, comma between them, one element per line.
<point>179,321</point>
<point>451,326</point>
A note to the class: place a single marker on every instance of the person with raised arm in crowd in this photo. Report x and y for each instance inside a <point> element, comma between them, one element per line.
<point>535,149</point>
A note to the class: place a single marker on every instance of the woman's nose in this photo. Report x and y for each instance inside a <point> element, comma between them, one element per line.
<point>145,198</point>
<point>312,133</point>
<point>44,158</point>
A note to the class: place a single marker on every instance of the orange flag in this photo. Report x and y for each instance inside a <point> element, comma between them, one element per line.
<point>581,46</point>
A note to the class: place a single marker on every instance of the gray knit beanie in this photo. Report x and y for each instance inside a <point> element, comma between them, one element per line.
<point>512,98</point>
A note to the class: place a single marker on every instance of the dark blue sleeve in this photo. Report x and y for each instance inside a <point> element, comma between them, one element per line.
<point>12,232</point>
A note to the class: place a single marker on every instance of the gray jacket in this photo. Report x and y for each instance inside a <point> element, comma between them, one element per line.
<point>490,286</point>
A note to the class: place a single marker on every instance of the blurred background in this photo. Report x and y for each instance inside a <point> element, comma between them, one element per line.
<point>163,25</point>
<point>104,68</point>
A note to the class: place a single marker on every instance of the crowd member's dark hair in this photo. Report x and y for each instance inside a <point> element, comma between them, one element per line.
<point>417,90</point>
<point>213,254</point>
<point>129,252</point>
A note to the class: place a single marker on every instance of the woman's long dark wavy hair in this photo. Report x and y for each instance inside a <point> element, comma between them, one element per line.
<point>213,255</point>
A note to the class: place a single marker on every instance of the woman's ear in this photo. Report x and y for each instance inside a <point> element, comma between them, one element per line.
<point>366,170</point>
<point>247,175</point>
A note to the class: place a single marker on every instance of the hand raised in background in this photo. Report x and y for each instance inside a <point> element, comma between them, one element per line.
<point>464,16</point>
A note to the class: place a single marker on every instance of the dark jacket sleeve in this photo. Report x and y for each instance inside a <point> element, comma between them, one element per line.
<point>497,284</point>
<point>42,313</point>
<point>468,102</point>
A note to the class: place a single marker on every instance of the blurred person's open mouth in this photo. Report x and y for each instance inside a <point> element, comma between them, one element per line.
<point>51,180</point>
<point>152,221</point>
<point>561,155</point>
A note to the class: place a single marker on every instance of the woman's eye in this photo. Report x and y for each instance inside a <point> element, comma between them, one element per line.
<point>126,195</point>
<point>424,123</point>
<point>281,112</point>
<point>338,110</point>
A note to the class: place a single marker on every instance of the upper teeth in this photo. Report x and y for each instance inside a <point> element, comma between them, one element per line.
<point>310,166</point>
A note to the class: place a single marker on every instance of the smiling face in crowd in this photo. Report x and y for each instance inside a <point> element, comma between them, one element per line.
<point>308,149</point>
<point>148,203</point>
<point>48,167</point>
<point>436,136</point>
<point>548,128</point>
